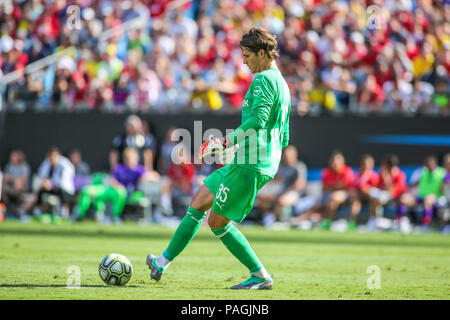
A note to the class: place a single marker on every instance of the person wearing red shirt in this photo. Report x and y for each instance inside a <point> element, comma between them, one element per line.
<point>392,178</point>
<point>392,185</point>
<point>337,180</point>
<point>372,95</point>
<point>181,175</point>
<point>365,180</point>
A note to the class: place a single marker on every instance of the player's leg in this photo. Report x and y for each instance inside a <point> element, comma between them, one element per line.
<point>355,204</point>
<point>185,232</point>
<point>84,201</point>
<point>335,199</point>
<point>375,205</point>
<point>118,197</point>
<point>286,200</point>
<point>406,201</point>
<point>429,203</point>
<point>233,201</point>
<point>238,245</point>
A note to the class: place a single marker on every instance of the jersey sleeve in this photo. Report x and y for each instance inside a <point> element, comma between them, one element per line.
<point>263,99</point>
<point>285,142</point>
<point>263,94</point>
<point>117,142</point>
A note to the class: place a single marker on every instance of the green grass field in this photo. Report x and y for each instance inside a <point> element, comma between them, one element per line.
<point>305,264</point>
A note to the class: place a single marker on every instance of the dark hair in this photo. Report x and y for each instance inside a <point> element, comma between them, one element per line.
<point>258,38</point>
<point>364,157</point>
<point>431,157</point>
<point>20,154</point>
<point>391,160</point>
<point>446,158</point>
<point>336,153</point>
<point>53,150</point>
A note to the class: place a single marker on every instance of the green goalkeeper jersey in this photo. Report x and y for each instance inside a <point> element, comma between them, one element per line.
<point>264,131</point>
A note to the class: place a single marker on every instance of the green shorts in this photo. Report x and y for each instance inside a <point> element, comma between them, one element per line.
<point>235,188</point>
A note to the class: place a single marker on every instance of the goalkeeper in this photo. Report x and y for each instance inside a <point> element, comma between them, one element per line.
<point>252,152</point>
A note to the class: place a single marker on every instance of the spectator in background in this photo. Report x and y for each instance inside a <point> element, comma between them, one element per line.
<point>98,193</point>
<point>365,180</point>
<point>445,200</point>
<point>441,97</point>
<point>428,192</point>
<point>421,98</point>
<point>127,177</point>
<point>371,97</point>
<point>181,175</point>
<point>151,140</point>
<point>16,178</point>
<point>165,160</point>
<point>57,174</point>
<point>130,173</point>
<point>140,69</point>
<point>391,187</point>
<point>337,181</point>
<point>135,138</point>
<point>82,170</point>
<point>28,92</point>
<point>120,188</point>
<point>285,189</point>
<point>398,94</point>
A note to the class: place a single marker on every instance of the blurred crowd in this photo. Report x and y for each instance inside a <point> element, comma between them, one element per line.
<point>337,56</point>
<point>154,182</point>
<point>146,180</point>
<point>363,198</point>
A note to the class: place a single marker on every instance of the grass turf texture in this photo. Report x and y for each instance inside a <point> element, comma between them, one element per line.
<point>305,264</point>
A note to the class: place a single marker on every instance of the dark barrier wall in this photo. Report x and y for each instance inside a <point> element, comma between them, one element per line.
<point>410,138</point>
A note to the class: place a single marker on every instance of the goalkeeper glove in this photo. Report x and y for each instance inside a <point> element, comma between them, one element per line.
<point>215,146</point>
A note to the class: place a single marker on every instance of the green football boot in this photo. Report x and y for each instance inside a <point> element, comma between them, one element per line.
<point>155,271</point>
<point>255,283</point>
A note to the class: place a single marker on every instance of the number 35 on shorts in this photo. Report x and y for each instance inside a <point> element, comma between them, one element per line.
<point>222,193</point>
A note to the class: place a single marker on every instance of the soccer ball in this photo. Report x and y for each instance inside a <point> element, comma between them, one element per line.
<point>115,269</point>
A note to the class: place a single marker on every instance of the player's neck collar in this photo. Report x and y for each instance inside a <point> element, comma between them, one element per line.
<point>273,66</point>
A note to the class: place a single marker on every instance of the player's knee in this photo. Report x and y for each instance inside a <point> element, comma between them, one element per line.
<point>215,221</point>
<point>202,200</point>
<point>430,200</point>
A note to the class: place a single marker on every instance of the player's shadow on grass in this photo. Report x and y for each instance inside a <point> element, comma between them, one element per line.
<point>22,285</point>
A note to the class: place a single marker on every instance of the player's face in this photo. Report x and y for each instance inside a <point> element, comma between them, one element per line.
<point>53,158</point>
<point>447,165</point>
<point>251,60</point>
<point>337,163</point>
<point>367,164</point>
<point>14,158</point>
<point>386,169</point>
<point>290,156</point>
<point>75,157</point>
<point>431,164</point>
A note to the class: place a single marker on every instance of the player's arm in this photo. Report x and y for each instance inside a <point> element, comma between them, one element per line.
<point>285,141</point>
<point>227,146</point>
<point>148,158</point>
<point>263,100</point>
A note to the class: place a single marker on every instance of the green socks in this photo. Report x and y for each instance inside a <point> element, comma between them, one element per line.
<point>186,230</point>
<point>238,245</point>
<point>231,237</point>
